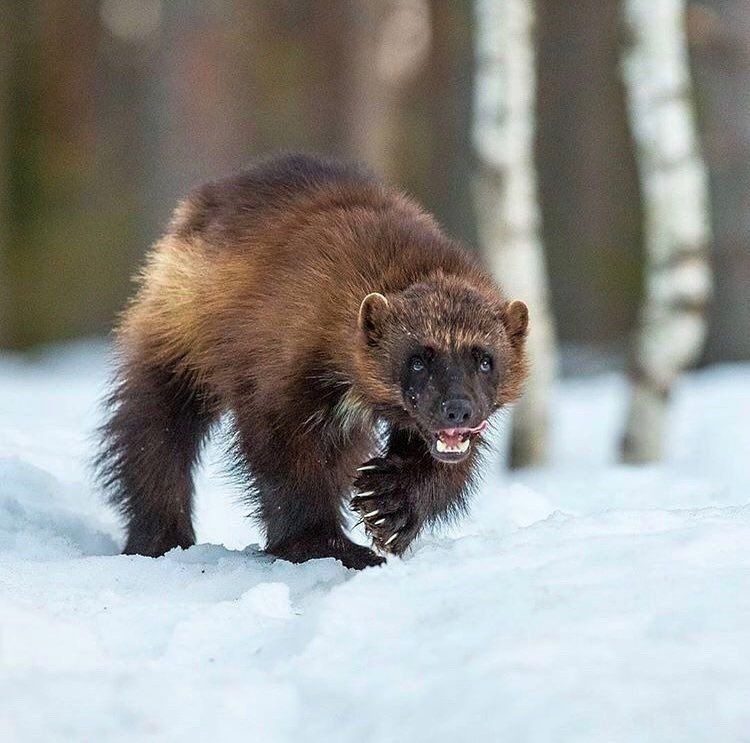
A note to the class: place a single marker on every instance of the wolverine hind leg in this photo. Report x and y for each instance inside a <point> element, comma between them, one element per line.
<point>152,440</point>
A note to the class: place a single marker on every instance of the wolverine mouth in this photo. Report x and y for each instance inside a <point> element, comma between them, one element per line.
<point>453,444</point>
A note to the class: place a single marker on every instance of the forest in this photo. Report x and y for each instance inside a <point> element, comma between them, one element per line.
<point>112,110</point>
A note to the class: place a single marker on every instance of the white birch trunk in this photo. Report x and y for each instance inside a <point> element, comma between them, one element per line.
<point>674,190</point>
<point>506,199</point>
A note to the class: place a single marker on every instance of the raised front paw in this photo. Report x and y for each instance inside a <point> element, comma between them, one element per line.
<point>381,503</point>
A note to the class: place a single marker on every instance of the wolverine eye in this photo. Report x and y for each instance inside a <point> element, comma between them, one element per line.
<point>485,364</point>
<point>416,363</point>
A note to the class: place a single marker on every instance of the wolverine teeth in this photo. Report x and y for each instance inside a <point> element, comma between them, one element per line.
<point>462,447</point>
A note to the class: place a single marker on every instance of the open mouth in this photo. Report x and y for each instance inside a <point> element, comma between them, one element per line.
<point>453,444</point>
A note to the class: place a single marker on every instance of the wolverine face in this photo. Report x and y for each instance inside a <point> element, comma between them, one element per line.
<point>451,357</point>
<point>450,395</point>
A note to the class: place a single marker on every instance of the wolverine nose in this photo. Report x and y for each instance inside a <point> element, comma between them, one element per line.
<point>456,412</point>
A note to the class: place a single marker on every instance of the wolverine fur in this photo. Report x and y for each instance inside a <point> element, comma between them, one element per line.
<point>316,307</point>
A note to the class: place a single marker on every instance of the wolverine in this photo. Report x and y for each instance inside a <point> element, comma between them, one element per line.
<point>357,351</point>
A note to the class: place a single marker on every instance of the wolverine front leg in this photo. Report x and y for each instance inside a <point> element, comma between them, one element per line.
<point>299,482</point>
<point>405,489</point>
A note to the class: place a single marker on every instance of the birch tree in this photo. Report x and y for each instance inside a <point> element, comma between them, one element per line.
<point>674,191</point>
<point>506,199</point>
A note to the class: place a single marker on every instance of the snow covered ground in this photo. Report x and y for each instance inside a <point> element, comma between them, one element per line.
<point>587,602</point>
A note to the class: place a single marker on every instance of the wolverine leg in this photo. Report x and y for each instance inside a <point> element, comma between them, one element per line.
<point>152,439</point>
<point>399,493</point>
<point>298,490</point>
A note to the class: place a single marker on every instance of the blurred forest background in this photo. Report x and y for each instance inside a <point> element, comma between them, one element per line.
<point>112,109</point>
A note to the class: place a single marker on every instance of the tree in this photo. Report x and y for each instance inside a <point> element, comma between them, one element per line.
<point>588,183</point>
<point>674,192</point>
<point>719,38</point>
<point>5,301</point>
<point>506,199</point>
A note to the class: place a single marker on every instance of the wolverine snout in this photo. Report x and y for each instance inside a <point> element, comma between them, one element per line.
<point>456,412</point>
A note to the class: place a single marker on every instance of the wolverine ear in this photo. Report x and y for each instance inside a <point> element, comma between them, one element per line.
<point>372,314</point>
<point>517,321</point>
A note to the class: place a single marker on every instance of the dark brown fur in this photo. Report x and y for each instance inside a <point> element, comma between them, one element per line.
<point>251,305</point>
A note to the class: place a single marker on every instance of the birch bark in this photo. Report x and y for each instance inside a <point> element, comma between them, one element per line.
<point>506,199</point>
<point>674,192</point>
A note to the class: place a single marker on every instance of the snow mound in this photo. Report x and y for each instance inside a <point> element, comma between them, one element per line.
<point>38,519</point>
<point>585,602</point>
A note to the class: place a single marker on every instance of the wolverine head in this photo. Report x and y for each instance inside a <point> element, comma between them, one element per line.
<point>448,354</point>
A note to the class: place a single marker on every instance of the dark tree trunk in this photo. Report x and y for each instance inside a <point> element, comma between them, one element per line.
<point>719,39</point>
<point>6,46</point>
<point>588,182</point>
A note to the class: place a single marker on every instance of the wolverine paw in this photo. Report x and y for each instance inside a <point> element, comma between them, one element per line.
<point>382,507</point>
<point>306,548</point>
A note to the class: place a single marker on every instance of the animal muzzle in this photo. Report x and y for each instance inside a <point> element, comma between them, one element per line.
<point>453,444</point>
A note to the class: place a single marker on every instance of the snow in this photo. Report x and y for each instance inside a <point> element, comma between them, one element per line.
<point>584,602</point>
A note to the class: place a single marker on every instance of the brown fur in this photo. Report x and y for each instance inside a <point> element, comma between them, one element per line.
<point>253,304</point>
